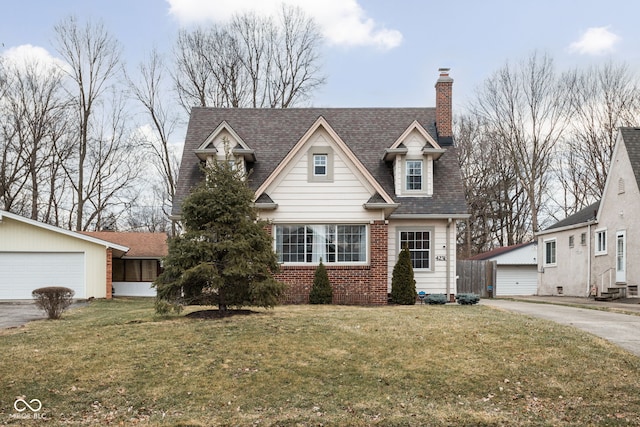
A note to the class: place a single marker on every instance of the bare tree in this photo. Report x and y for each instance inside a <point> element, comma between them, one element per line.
<point>526,109</point>
<point>603,98</point>
<point>92,56</point>
<point>149,91</point>
<point>250,62</point>
<point>33,107</point>
<point>497,203</point>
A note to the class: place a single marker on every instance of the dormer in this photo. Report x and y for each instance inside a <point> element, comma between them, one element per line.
<point>412,155</point>
<point>224,139</point>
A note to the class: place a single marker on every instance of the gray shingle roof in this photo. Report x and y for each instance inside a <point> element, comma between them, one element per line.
<point>272,133</point>
<point>631,138</point>
<point>582,216</point>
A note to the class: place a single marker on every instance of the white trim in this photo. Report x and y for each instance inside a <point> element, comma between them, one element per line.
<point>544,252</point>
<point>322,122</point>
<point>596,250</point>
<point>62,231</point>
<point>421,130</point>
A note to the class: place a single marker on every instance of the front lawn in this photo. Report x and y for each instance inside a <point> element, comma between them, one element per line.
<point>115,362</point>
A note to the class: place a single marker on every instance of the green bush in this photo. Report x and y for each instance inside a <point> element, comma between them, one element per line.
<point>467,299</point>
<point>403,284</point>
<point>164,307</point>
<point>53,300</point>
<point>436,299</point>
<point>321,291</point>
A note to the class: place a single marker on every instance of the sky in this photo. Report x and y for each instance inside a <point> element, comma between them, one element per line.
<point>376,53</point>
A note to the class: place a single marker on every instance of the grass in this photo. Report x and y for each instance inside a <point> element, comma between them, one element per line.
<point>115,362</point>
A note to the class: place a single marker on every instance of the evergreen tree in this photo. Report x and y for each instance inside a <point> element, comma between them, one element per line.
<point>321,292</point>
<point>403,284</point>
<point>225,256</point>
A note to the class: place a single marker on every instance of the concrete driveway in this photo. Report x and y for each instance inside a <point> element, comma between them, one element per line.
<point>16,314</point>
<point>620,329</point>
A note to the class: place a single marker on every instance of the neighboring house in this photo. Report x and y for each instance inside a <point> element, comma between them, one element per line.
<point>516,268</point>
<point>595,250</point>
<point>350,186</point>
<point>134,272</point>
<point>35,255</point>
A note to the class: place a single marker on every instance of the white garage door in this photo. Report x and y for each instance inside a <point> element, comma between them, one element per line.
<point>516,280</point>
<point>22,272</point>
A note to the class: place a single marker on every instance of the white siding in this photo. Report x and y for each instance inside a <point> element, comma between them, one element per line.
<point>435,280</point>
<point>340,200</point>
<point>516,280</point>
<point>133,289</point>
<point>16,236</point>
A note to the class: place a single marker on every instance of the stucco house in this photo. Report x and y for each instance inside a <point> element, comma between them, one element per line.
<point>516,268</point>
<point>133,272</point>
<point>594,252</point>
<point>349,185</point>
<point>34,255</point>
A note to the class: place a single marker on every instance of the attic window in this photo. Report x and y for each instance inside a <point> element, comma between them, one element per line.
<point>620,186</point>
<point>320,164</point>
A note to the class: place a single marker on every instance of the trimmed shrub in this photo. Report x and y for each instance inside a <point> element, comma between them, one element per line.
<point>436,299</point>
<point>321,291</point>
<point>53,300</point>
<point>467,299</point>
<point>403,284</point>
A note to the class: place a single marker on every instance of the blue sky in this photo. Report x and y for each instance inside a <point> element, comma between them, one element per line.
<point>377,53</point>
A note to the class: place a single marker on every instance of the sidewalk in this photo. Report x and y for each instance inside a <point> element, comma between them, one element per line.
<point>630,305</point>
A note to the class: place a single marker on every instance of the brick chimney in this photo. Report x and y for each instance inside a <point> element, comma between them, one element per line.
<point>444,117</point>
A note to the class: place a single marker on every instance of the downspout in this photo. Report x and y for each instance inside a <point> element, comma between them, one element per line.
<point>589,260</point>
<point>448,255</point>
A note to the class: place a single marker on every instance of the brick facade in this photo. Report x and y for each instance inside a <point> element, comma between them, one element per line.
<point>109,273</point>
<point>361,285</point>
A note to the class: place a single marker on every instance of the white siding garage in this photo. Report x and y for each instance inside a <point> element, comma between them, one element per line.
<point>34,255</point>
<point>21,273</point>
<point>516,280</point>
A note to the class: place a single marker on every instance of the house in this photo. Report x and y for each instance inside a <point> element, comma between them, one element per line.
<point>34,255</point>
<point>133,273</point>
<point>593,252</point>
<point>350,186</point>
<point>516,268</point>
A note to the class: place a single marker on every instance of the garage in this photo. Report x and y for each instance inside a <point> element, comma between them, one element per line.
<point>35,255</point>
<point>516,269</point>
<point>23,272</point>
<point>516,280</point>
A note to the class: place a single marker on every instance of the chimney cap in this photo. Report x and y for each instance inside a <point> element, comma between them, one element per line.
<point>444,76</point>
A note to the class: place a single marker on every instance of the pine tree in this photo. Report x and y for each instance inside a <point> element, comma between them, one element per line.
<point>321,292</point>
<point>225,256</point>
<point>403,284</point>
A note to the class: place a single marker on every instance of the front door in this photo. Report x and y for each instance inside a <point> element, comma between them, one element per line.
<point>621,257</point>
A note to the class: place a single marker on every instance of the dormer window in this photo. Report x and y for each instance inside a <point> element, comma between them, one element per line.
<point>414,175</point>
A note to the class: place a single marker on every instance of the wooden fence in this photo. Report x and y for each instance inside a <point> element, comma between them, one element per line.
<point>476,277</point>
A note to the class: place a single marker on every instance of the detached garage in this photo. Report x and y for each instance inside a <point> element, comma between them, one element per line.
<point>34,255</point>
<point>517,269</point>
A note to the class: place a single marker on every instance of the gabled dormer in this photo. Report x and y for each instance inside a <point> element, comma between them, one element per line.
<point>412,156</point>
<point>224,139</point>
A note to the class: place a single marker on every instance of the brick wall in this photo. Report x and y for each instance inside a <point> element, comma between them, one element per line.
<point>361,285</point>
<point>444,115</point>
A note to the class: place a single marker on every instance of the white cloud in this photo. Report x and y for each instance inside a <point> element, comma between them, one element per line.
<point>342,22</point>
<point>595,41</point>
<point>26,54</point>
